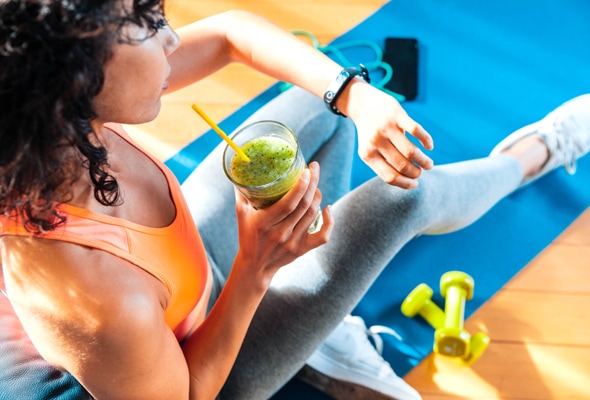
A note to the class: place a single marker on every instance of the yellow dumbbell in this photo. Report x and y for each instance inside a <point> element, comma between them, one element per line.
<point>452,339</point>
<point>419,302</point>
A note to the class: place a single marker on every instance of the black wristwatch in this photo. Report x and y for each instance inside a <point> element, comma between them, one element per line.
<point>340,83</point>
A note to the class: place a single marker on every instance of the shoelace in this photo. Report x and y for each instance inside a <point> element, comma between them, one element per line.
<point>568,146</point>
<point>375,332</point>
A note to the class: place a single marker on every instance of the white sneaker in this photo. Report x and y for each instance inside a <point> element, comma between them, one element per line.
<point>565,131</point>
<point>348,367</point>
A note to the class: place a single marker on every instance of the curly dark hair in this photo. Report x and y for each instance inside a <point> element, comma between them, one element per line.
<point>52,58</point>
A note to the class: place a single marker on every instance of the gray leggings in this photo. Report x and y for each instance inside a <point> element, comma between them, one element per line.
<point>308,298</point>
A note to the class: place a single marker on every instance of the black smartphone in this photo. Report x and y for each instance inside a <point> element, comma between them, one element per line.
<point>402,55</point>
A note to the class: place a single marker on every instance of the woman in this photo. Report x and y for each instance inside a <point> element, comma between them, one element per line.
<point>102,262</point>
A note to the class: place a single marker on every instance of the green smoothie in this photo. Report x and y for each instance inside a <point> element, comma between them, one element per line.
<point>270,173</point>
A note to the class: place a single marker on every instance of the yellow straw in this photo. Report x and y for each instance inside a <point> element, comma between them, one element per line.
<point>220,132</point>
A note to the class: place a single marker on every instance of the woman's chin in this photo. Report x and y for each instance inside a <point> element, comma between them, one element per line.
<point>147,115</point>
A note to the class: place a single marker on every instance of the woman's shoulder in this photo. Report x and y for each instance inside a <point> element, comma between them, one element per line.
<point>68,285</point>
<point>79,313</point>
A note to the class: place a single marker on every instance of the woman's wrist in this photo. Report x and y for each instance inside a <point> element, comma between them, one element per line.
<point>340,84</point>
<point>346,101</point>
<point>249,273</point>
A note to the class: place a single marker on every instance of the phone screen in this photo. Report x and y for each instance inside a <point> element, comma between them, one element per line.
<point>402,55</point>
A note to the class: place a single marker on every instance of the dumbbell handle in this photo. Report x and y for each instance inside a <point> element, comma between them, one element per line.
<point>454,307</point>
<point>434,315</point>
<point>419,302</point>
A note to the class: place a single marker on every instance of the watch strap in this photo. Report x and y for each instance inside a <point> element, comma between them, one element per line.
<point>339,83</point>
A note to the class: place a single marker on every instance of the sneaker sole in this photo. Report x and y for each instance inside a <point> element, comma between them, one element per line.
<point>339,389</point>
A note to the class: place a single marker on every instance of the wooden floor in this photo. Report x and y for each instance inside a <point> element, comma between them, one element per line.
<point>539,322</point>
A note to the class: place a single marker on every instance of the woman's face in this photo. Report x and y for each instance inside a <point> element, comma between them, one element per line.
<point>136,75</point>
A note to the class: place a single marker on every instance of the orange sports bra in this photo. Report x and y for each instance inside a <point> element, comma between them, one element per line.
<point>175,254</point>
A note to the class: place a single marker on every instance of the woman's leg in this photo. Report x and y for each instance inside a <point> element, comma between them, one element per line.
<point>310,297</point>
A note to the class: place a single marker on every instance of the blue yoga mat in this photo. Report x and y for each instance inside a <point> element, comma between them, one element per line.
<point>486,69</point>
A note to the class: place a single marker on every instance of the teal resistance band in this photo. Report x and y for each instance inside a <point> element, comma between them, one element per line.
<point>335,51</point>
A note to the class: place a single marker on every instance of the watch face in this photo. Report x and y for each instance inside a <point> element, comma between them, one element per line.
<point>342,77</point>
<point>337,84</point>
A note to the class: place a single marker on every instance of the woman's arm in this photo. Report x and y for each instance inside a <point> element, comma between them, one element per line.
<point>268,239</point>
<point>238,36</point>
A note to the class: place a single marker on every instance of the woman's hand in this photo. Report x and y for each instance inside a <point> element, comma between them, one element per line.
<point>275,236</point>
<point>382,124</point>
